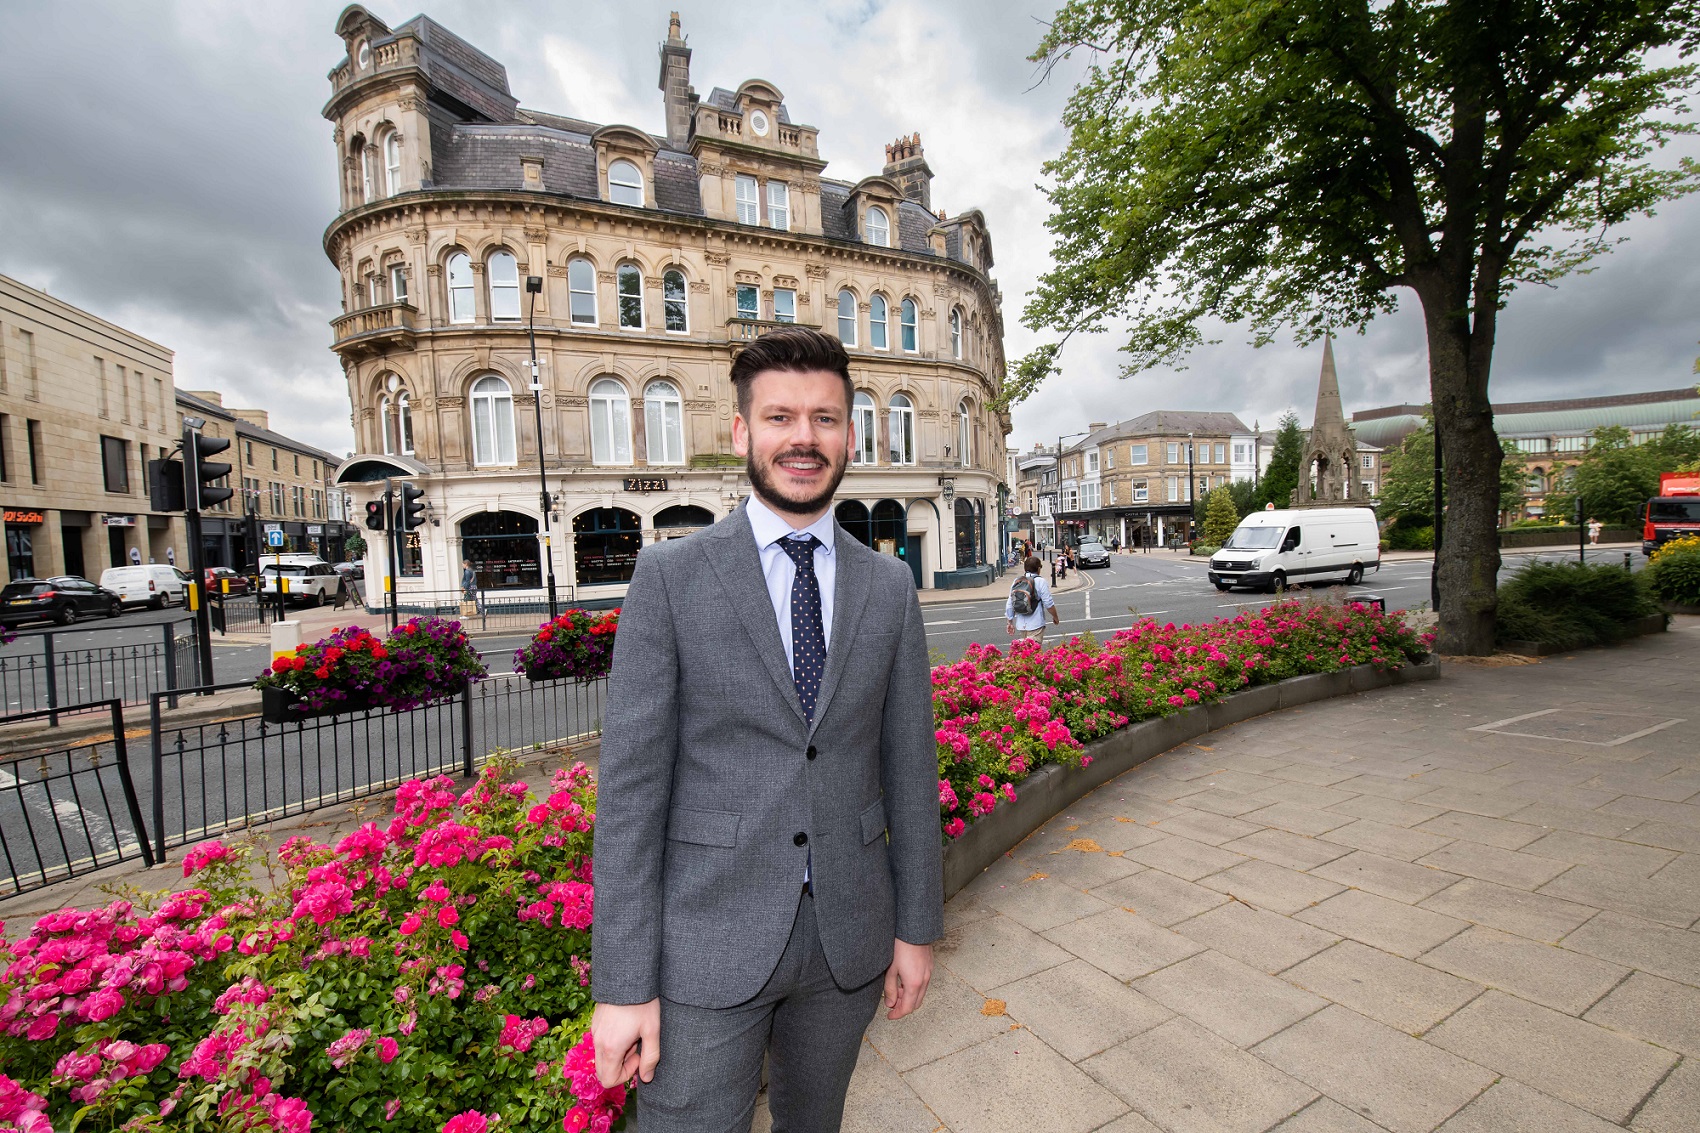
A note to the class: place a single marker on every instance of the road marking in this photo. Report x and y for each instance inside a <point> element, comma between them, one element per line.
<point>949,623</point>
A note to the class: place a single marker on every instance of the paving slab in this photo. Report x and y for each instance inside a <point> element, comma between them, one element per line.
<point>1187,1080</point>
<point>1079,1010</point>
<point>1501,832</point>
<point>1388,877</point>
<point>1389,989</point>
<point>1394,1080</point>
<point>1123,944</point>
<point>1664,835</point>
<point>1675,902</point>
<point>1184,858</point>
<point>1533,915</point>
<point>1490,863</point>
<point>1493,804</point>
<point>997,950</point>
<point>949,1019</point>
<point>1381,838</point>
<point>1265,940</point>
<point>1582,821</point>
<point>1040,902</point>
<point>1316,774</point>
<point>1087,869</point>
<point>1606,853</point>
<point>1673,1105</point>
<point>1547,974</point>
<point>1269,886</point>
<point>1511,1107</point>
<point>1298,819</point>
<point>1295,851</point>
<point>880,1101</point>
<point>998,1086</point>
<point>1160,898</point>
<point>1389,925</point>
<point>1325,1115</point>
<point>1393,812</point>
<point>1655,1009</point>
<point>1587,1065</point>
<point>1231,999</point>
<point>1385,786</point>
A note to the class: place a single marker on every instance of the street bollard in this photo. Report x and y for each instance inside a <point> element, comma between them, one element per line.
<point>1626,565</point>
<point>286,635</point>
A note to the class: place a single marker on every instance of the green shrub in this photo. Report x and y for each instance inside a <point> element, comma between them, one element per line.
<point>1569,605</point>
<point>1410,539</point>
<point>1674,575</point>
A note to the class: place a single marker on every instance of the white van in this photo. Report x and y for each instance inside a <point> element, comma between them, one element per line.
<point>1270,549</point>
<point>155,584</point>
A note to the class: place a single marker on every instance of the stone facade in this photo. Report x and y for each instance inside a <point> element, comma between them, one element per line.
<point>1331,460</point>
<point>657,257</point>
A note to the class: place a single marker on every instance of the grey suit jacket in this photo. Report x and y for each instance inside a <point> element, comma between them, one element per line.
<point>712,787</point>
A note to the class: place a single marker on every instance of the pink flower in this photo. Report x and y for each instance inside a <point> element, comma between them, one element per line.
<point>387,1049</point>
<point>469,1122</point>
<point>204,855</point>
<point>103,1004</point>
<point>391,1108</point>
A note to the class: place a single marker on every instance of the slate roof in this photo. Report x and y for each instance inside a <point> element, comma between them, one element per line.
<point>461,71</point>
<point>1164,422</point>
<point>727,100</point>
<point>245,428</point>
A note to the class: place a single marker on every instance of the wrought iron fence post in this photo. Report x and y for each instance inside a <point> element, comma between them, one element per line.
<point>122,750</point>
<point>466,728</point>
<point>157,759</point>
<point>170,662</point>
<point>52,679</point>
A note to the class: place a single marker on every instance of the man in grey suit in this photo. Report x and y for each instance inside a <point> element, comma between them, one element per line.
<point>767,837</point>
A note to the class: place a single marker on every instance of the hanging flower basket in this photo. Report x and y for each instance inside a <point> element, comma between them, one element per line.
<point>281,706</point>
<point>577,646</point>
<point>421,661</point>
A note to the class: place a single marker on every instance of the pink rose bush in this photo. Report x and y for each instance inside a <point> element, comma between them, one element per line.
<point>1000,715</point>
<point>426,973</point>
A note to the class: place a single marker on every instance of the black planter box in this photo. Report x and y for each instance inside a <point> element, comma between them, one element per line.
<point>278,705</point>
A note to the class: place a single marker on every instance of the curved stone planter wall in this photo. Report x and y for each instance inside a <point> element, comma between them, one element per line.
<point>1049,790</point>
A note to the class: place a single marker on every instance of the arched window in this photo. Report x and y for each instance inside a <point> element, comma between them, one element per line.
<point>852,515</point>
<point>606,542</point>
<point>625,184</point>
<point>663,423</point>
<point>902,413</point>
<point>492,422</point>
<point>628,285</point>
<point>965,433</point>
<point>956,332</point>
<point>392,163</point>
<point>879,227</point>
<point>876,323</point>
<point>581,292</point>
<point>911,342</point>
<point>674,306</point>
<point>847,318</point>
<point>503,271</point>
<point>404,422</point>
<point>461,307</point>
<point>503,547</point>
<point>386,425</point>
<point>610,423</point>
<point>862,417</point>
<point>368,176</point>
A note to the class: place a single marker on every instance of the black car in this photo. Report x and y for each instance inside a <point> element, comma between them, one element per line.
<point>1091,553</point>
<point>63,599</point>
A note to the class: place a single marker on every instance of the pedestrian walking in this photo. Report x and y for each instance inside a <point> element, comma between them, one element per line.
<point>767,834</point>
<point>1028,604</point>
<point>468,589</point>
<point>1594,529</point>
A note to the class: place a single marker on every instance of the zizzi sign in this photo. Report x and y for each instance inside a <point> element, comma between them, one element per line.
<point>23,515</point>
<point>646,484</point>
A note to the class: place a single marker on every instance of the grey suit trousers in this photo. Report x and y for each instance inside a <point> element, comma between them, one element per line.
<point>710,1068</point>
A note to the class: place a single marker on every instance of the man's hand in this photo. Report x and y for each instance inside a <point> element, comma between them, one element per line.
<point>628,1039</point>
<point>1009,624</point>
<point>905,981</point>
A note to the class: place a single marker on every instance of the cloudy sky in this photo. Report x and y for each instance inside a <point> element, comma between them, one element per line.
<point>164,165</point>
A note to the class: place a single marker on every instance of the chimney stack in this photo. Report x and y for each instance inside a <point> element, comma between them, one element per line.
<point>906,165</point>
<point>677,97</point>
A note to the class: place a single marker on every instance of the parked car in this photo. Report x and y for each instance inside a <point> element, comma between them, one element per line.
<point>309,582</point>
<point>1091,553</point>
<point>155,584</point>
<point>355,569</point>
<point>62,598</point>
<point>1269,549</point>
<point>218,576</point>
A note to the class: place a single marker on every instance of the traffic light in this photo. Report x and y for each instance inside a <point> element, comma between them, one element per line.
<point>411,515</point>
<point>375,515</point>
<point>207,472</point>
<point>165,485</point>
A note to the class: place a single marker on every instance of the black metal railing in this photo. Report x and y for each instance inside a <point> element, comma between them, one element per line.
<point>55,673</point>
<point>238,613</point>
<point>206,779</point>
<point>69,811</point>
<point>484,609</point>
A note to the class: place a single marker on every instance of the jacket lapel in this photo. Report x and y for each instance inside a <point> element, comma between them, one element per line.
<point>731,551</point>
<point>854,570</point>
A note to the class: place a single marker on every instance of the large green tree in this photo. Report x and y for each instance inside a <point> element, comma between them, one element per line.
<point>1282,476</point>
<point>1407,479</point>
<point>1297,163</point>
<point>1616,477</point>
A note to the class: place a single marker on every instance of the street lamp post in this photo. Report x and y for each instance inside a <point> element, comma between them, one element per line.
<point>1060,439</point>
<point>533,286</point>
<point>1191,494</point>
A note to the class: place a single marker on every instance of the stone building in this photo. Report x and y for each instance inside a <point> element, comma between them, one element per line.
<point>84,405</point>
<point>655,257</point>
<point>1328,472</point>
<point>1136,480</point>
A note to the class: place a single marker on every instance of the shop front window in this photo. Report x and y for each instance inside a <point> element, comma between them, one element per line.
<point>503,548</point>
<point>852,515</point>
<point>965,538</point>
<point>20,551</point>
<point>606,542</point>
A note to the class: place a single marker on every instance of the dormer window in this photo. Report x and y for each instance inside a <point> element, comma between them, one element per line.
<point>878,227</point>
<point>625,184</point>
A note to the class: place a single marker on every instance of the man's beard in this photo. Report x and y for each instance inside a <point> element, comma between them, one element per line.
<point>762,481</point>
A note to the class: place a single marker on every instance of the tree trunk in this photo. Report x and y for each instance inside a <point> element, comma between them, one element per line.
<point>1463,421</point>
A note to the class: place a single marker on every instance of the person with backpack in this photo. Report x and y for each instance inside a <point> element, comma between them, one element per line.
<point>1029,600</point>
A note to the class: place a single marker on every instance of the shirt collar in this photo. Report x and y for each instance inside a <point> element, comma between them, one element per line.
<point>770,527</point>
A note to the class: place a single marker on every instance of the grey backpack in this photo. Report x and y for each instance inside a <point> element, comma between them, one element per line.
<point>1024,596</point>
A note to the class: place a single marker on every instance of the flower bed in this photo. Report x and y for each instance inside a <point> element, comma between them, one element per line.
<point>421,660</point>
<point>578,646</point>
<point>425,975</point>
<point>1000,716</point>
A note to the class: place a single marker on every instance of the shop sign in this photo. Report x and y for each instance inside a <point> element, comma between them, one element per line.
<point>646,483</point>
<point>270,527</point>
<point>315,529</point>
<point>24,516</point>
<point>109,520</point>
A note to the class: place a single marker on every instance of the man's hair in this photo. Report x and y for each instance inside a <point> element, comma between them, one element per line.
<point>1032,564</point>
<point>793,349</point>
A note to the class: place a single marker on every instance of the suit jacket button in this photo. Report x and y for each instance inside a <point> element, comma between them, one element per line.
<point>811,752</point>
<point>801,839</point>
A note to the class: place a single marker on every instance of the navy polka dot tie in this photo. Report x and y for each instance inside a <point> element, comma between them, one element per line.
<point>808,634</point>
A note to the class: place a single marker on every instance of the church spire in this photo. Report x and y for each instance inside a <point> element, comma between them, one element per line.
<point>1328,407</point>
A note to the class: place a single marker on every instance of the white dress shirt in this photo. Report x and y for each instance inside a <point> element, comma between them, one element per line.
<point>779,571</point>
